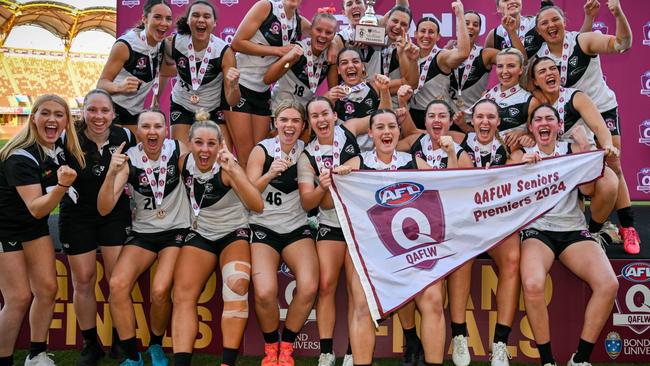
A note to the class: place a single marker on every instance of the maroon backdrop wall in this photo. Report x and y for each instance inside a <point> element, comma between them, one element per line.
<point>628,74</point>
<point>626,334</point>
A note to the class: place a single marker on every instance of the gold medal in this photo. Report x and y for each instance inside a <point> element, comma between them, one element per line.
<point>347,90</point>
<point>194,99</point>
<point>460,103</point>
<point>195,223</point>
<point>161,214</point>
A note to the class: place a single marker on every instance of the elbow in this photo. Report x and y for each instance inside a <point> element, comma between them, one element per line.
<point>236,45</point>
<point>37,214</point>
<point>257,206</point>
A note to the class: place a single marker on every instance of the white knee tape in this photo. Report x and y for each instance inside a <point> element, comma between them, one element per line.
<point>231,273</point>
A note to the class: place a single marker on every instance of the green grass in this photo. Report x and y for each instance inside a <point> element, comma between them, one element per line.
<point>68,358</point>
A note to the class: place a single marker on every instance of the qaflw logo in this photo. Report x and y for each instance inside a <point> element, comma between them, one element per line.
<point>643,180</point>
<point>645,83</point>
<point>644,132</point>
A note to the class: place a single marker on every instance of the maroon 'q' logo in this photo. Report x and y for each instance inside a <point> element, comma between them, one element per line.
<point>410,223</point>
<point>633,298</point>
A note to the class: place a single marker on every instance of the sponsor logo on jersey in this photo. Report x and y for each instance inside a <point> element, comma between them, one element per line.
<point>643,180</point>
<point>369,102</point>
<point>175,115</point>
<point>633,298</point>
<point>573,61</point>
<point>323,231</point>
<point>130,3</point>
<point>349,149</point>
<point>600,27</point>
<point>189,237</point>
<point>241,103</point>
<point>513,111</point>
<point>182,62</point>
<point>242,233</point>
<point>646,34</point>
<point>349,107</point>
<point>613,344</point>
<point>644,132</point>
<point>141,63</point>
<point>260,234</point>
<point>645,83</point>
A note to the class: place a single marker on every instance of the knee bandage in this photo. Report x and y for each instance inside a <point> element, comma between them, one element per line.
<point>234,291</point>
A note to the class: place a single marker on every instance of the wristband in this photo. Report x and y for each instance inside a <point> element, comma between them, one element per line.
<point>61,185</point>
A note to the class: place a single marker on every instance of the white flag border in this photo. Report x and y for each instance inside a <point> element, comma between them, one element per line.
<point>376,311</point>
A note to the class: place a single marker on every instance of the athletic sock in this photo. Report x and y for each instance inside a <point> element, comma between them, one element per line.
<point>594,226</point>
<point>271,337</point>
<point>229,356</point>
<point>289,335</point>
<point>545,353</point>
<point>501,333</point>
<point>182,359</point>
<point>431,364</point>
<point>625,216</point>
<point>326,345</point>
<point>584,351</point>
<point>90,335</point>
<point>36,347</point>
<point>349,350</point>
<point>458,329</point>
<point>155,339</point>
<point>7,361</point>
<point>116,337</point>
<point>411,336</point>
<point>130,348</point>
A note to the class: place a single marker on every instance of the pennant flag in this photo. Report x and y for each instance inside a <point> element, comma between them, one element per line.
<point>407,229</point>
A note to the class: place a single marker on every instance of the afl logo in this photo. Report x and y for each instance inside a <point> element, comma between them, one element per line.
<point>646,34</point>
<point>228,34</point>
<point>638,272</point>
<point>644,132</point>
<point>600,27</point>
<point>398,194</point>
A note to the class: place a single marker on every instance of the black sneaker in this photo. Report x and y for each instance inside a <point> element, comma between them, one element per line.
<point>90,354</point>
<point>117,352</point>
<point>412,354</point>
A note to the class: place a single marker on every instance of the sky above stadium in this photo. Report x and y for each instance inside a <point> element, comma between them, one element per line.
<point>38,38</point>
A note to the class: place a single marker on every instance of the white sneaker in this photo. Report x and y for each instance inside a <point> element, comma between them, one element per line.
<point>41,359</point>
<point>460,354</point>
<point>326,359</point>
<point>347,360</point>
<point>571,363</point>
<point>500,356</point>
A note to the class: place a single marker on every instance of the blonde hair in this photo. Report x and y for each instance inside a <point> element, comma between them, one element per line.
<point>28,136</point>
<point>512,51</point>
<point>202,120</point>
<point>290,104</point>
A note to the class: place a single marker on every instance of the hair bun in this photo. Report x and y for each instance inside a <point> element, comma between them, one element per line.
<point>202,115</point>
<point>546,3</point>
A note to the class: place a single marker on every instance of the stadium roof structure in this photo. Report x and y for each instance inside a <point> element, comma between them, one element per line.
<point>63,20</point>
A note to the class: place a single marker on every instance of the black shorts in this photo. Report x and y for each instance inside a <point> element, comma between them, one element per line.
<point>277,241</point>
<point>612,121</point>
<point>217,246</point>
<point>82,236</point>
<point>326,232</point>
<point>155,242</point>
<point>12,245</point>
<point>252,102</point>
<point>178,115</point>
<point>123,117</point>
<point>557,241</point>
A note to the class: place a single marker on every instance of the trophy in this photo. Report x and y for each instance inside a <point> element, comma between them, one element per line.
<point>368,31</point>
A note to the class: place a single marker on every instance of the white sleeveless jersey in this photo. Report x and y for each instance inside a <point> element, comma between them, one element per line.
<point>283,212</point>
<point>584,72</point>
<point>139,65</point>
<point>174,211</point>
<point>252,68</point>
<point>222,212</point>
<point>294,84</point>
<point>211,87</point>
<point>566,215</point>
<point>436,85</point>
<point>403,161</point>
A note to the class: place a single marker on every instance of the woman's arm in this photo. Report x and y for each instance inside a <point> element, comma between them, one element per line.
<point>255,168</point>
<point>593,43</point>
<point>451,59</point>
<point>117,58</point>
<point>247,29</point>
<point>235,177</point>
<point>310,194</point>
<point>231,79</point>
<point>39,204</point>
<point>594,120</point>
<point>278,68</point>
<point>113,185</point>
